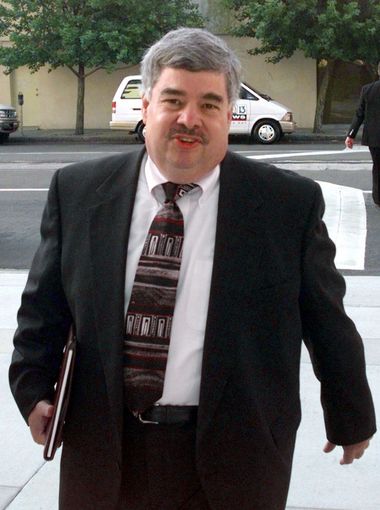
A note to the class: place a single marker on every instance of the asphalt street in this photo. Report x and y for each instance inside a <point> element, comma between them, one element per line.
<point>26,171</point>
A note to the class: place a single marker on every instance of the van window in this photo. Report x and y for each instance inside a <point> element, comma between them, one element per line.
<point>245,94</point>
<point>132,90</point>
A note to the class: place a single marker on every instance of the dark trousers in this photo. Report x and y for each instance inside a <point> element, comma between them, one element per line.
<point>159,468</point>
<point>375,153</point>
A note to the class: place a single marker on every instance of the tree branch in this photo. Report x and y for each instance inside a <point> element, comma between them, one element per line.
<point>86,75</point>
<point>73,71</point>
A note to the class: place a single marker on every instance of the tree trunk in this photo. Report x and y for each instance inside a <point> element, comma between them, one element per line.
<point>322,93</point>
<point>80,101</point>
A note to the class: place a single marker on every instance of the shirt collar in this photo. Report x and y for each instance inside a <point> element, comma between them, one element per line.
<point>206,184</point>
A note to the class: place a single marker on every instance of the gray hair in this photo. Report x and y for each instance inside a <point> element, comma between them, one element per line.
<point>193,49</point>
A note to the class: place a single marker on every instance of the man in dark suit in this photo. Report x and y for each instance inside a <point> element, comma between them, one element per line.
<point>257,276</point>
<point>369,112</point>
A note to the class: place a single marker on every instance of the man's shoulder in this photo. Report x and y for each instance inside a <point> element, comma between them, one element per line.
<point>374,85</point>
<point>264,174</point>
<point>81,183</point>
<point>101,167</point>
<point>281,191</point>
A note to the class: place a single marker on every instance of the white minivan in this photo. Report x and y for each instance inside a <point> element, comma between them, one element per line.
<point>254,114</point>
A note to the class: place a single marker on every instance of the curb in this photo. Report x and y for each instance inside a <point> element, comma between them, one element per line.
<point>132,139</point>
<point>80,139</point>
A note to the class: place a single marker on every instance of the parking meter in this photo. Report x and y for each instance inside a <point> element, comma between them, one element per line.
<point>20,98</point>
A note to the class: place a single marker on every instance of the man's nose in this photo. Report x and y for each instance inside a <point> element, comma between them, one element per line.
<point>189,116</point>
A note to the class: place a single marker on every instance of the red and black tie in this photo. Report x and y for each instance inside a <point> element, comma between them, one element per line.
<point>151,307</point>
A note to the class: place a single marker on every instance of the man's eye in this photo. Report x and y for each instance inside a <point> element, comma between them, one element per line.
<point>210,106</point>
<point>172,102</point>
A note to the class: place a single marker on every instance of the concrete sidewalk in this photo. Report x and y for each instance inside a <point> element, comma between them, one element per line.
<point>319,482</point>
<point>28,135</point>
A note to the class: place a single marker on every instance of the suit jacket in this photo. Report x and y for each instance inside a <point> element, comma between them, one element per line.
<point>273,284</point>
<point>368,112</point>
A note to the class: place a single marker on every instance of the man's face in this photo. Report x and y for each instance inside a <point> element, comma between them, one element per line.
<point>187,118</point>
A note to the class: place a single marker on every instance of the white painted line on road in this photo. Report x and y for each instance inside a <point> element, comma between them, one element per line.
<point>307,153</point>
<point>346,220</point>
<point>291,152</point>
<point>250,151</point>
<point>323,166</point>
<point>15,190</point>
<point>55,153</point>
<point>31,165</point>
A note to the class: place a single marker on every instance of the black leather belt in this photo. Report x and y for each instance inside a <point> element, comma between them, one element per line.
<point>168,415</point>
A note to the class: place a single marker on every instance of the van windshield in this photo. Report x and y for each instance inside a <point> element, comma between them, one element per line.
<point>265,96</point>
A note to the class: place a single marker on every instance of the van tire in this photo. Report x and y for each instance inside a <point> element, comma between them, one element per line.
<point>4,137</point>
<point>266,132</point>
<point>140,132</point>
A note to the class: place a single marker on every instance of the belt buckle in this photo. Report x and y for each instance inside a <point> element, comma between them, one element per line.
<point>137,415</point>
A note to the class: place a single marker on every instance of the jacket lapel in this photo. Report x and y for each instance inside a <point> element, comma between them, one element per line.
<point>109,223</point>
<point>238,222</point>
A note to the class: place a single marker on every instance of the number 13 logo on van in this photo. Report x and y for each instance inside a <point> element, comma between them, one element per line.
<point>239,113</point>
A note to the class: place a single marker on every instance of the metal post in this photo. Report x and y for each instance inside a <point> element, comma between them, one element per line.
<point>20,99</point>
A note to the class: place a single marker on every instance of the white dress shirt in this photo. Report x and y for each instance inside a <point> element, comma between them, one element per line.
<point>199,209</point>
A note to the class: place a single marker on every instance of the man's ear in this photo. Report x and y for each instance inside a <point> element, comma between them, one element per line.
<point>229,114</point>
<point>145,104</point>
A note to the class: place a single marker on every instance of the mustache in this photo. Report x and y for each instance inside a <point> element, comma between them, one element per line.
<point>183,130</point>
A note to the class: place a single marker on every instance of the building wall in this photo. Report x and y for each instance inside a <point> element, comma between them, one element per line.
<point>50,97</point>
<point>27,83</point>
<point>5,87</point>
<point>5,80</point>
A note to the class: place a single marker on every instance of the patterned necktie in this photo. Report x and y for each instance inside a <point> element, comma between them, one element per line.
<point>151,307</point>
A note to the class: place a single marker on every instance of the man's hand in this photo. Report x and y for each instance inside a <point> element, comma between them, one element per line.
<point>350,452</point>
<point>349,142</point>
<point>38,420</point>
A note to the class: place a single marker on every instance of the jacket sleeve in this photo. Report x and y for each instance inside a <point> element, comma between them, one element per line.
<point>335,346</point>
<point>359,115</point>
<point>43,318</point>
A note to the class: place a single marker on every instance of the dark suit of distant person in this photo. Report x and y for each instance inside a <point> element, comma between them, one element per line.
<point>368,112</point>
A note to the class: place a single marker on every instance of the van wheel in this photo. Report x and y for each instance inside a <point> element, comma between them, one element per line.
<point>266,131</point>
<point>4,137</point>
<point>140,130</point>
